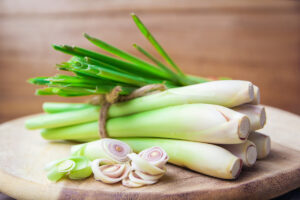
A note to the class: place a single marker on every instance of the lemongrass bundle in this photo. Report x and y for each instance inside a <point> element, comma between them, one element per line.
<point>195,122</point>
<point>262,142</point>
<point>227,93</point>
<point>204,158</point>
<point>255,113</point>
<point>246,151</point>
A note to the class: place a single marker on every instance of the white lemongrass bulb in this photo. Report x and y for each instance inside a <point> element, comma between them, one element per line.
<point>111,149</point>
<point>256,99</point>
<point>255,113</point>
<point>245,151</point>
<point>229,93</point>
<point>106,171</point>
<point>262,142</point>
<point>138,163</point>
<point>155,155</point>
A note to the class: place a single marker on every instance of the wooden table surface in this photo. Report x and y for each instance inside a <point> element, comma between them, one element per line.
<point>24,154</point>
<point>252,40</point>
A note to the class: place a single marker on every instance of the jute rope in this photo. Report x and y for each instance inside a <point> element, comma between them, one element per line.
<point>114,96</point>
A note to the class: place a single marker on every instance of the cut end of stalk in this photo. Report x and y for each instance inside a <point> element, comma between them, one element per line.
<point>251,155</point>
<point>236,168</point>
<point>256,99</point>
<point>251,92</point>
<point>263,117</point>
<point>244,128</point>
<point>267,147</point>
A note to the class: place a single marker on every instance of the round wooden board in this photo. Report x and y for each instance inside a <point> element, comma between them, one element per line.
<point>23,155</point>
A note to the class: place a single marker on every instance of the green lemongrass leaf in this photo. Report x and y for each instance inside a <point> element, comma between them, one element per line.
<point>115,51</point>
<point>154,42</point>
<point>157,62</point>
<point>39,80</point>
<point>77,51</point>
<point>98,71</point>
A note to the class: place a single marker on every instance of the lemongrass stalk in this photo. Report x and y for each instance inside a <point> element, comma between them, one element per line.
<point>228,93</point>
<point>262,142</point>
<point>255,113</point>
<point>64,118</point>
<point>107,148</point>
<point>245,151</point>
<point>195,122</point>
<point>53,107</point>
<point>204,158</point>
<point>256,99</point>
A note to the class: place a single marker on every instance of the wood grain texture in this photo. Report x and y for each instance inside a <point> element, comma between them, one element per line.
<point>23,155</point>
<point>252,40</point>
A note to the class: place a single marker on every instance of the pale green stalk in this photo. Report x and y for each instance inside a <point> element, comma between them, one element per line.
<point>52,107</point>
<point>204,158</point>
<point>63,118</point>
<point>195,122</point>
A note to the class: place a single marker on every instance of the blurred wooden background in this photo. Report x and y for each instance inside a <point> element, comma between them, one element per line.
<point>251,40</point>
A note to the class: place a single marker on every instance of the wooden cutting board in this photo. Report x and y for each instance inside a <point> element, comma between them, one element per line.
<point>23,154</point>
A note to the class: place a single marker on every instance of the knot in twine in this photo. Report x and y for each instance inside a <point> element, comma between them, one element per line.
<point>114,97</point>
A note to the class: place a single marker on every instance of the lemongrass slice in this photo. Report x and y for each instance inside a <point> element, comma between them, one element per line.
<point>111,149</point>
<point>137,179</point>
<point>106,171</point>
<point>128,183</point>
<point>75,167</point>
<point>155,155</point>
<point>255,113</point>
<point>262,142</point>
<point>204,158</point>
<point>149,177</point>
<point>246,151</point>
<point>138,163</point>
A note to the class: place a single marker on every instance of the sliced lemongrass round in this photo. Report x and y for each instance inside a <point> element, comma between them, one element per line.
<point>128,183</point>
<point>155,155</point>
<point>262,142</point>
<point>116,149</point>
<point>148,177</point>
<point>138,163</point>
<point>66,166</point>
<point>137,179</point>
<point>106,171</point>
